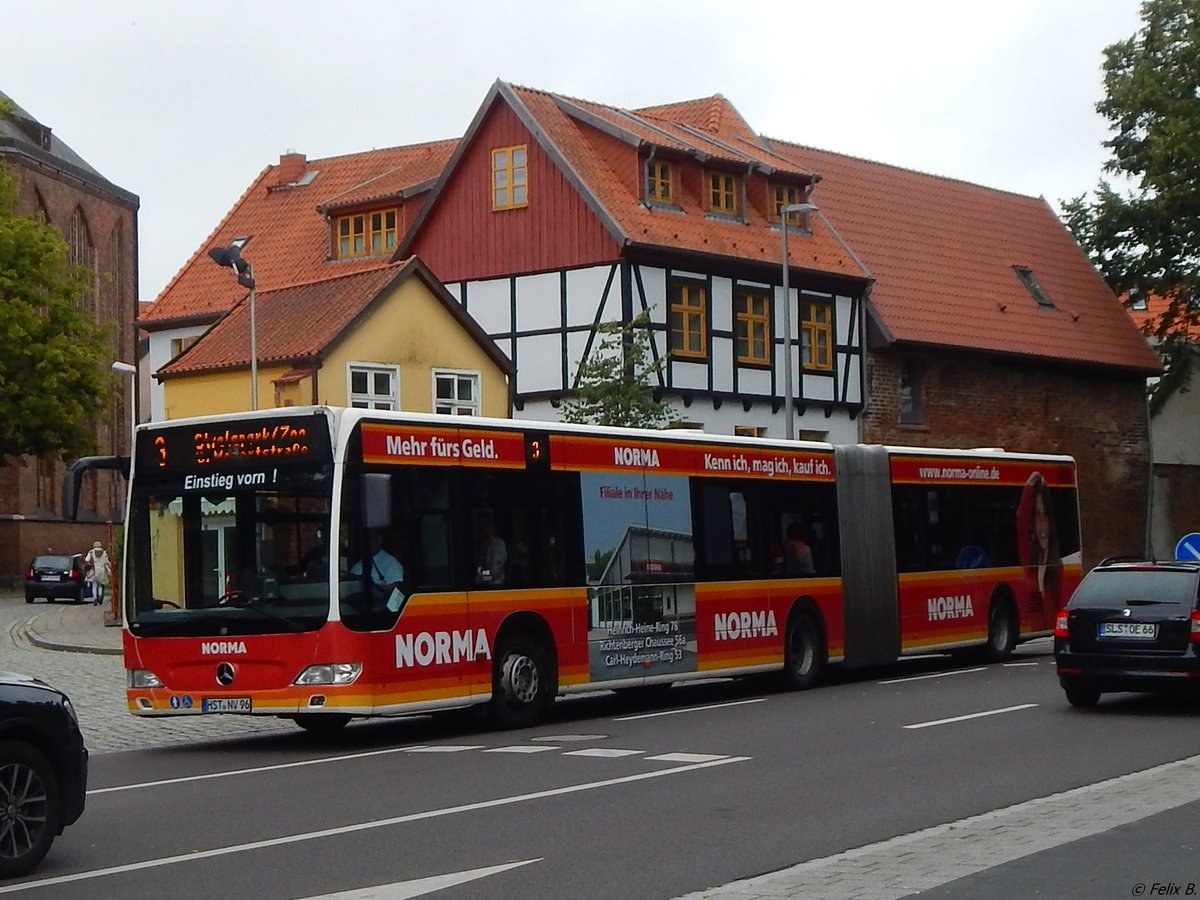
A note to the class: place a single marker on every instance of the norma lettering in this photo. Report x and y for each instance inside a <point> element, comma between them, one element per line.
<point>959,607</point>
<point>217,648</point>
<point>440,647</point>
<point>735,625</point>
<point>646,457</point>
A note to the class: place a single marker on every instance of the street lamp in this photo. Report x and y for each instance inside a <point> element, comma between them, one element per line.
<point>784,211</point>
<point>789,419</point>
<point>231,256</point>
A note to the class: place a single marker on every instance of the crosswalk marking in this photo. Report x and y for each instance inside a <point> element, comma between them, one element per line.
<point>522,748</point>
<point>605,752</point>
<point>686,757</point>
<point>446,748</point>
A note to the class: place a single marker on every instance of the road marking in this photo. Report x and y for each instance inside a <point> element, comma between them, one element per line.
<point>446,748</point>
<point>565,738</point>
<point>364,826</point>
<point>978,715</point>
<point>1019,665</point>
<point>604,752</point>
<point>251,771</point>
<point>419,887</point>
<point>689,709</point>
<point>934,675</point>
<point>685,757</point>
<point>522,748</point>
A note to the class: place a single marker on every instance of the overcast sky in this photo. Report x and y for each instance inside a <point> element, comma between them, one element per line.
<point>184,103</point>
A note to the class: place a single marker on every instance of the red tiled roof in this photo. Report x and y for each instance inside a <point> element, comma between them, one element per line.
<point>289,237</point>
<point>943,251</point>
<point>1147,319</point>
<point>590,155</point>
<point>299,323</point>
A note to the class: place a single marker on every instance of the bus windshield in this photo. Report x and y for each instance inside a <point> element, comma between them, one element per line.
<point>230,559</point>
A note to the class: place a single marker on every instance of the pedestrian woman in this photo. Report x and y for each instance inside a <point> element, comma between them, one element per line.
<point>99,570</point>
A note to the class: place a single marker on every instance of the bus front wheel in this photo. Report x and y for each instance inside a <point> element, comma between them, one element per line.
<point>519,688</point>
<point>322,723</point>
<point>802,655</point>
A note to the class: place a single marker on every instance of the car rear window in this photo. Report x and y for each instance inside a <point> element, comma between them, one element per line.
<point>52,562</point>
<point>1134,586</point>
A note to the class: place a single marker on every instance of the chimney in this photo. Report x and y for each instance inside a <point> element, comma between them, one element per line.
<point>291,167</point>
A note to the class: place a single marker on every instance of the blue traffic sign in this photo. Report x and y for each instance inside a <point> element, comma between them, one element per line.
<point>1188,547</point>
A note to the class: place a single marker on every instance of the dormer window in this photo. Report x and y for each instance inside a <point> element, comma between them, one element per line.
<point>660,178</point>
<point>510,177</point>
<point>1034,286</point>
<point>1137,300</point>
<point>786,195</point>
<point>724,193</point>
<point>366,234</point>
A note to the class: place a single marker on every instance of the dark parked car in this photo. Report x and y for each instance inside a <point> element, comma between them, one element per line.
<point>1131,625</point>
<point>43,770</point>
<point>55,576</point>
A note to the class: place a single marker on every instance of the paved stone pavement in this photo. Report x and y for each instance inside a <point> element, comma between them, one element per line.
<point>72,648</point>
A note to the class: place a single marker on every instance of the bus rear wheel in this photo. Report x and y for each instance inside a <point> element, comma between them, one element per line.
<point>802,657</point>
<point>1002,632</point>
<point>519,683</point>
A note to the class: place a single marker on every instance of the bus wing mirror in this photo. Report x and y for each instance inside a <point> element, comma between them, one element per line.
<point>376,500</point>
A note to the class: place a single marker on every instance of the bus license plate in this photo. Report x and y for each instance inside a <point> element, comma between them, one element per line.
<point>225,705</point>
<point>1142,630</point>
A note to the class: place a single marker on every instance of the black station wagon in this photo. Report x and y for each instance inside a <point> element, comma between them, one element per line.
<point>55,576</point>
<point>43,770</point>
<point>1131,625</point>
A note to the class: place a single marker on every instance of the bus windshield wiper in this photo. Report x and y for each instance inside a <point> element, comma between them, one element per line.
<point>259,605</point>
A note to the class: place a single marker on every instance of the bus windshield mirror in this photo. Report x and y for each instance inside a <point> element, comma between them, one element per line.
<point>376,500</point>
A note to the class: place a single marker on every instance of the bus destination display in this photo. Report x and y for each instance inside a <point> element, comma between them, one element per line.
<point>235,445</point>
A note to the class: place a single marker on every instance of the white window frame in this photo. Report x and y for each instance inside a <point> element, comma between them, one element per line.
<point>458,407</point>
<point>372,400</point>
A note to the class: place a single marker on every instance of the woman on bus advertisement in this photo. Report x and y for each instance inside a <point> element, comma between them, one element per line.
<point>1037,548</point>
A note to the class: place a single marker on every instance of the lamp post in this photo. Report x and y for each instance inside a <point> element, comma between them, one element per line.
<point>784,212</point>
<point>789,418</point>
<point>231,256</point>
<point>112,615</point>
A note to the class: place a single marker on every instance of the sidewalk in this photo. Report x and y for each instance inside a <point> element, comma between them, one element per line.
<point>77,628</point>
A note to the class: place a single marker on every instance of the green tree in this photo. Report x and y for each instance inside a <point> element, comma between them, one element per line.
<point>613,383</point>
<point>1146,241</point>
<point>53,391</point>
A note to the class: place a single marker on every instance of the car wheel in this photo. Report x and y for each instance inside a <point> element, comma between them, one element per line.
<point>1081,696</point>
<point>29,598</point>
<point>30,808</point>
<point>802,655</point>
<point>519,683</point>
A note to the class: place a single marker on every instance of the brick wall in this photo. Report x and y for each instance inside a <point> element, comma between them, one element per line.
<point>976,400</point>
<point>112,225</point>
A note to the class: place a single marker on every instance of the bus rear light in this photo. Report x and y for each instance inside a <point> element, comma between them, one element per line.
<point>142,678</point>
<point>1060,625</point>
<point>330,673</point>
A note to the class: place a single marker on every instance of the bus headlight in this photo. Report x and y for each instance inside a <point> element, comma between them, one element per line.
<point>330,673</point>
<point>142,678</point>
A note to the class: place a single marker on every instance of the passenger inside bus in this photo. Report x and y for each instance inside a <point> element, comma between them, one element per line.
<point>797,554</point>
<point>491,552</point>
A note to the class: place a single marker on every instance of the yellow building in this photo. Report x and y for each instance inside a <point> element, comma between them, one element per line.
<point>389,338</point>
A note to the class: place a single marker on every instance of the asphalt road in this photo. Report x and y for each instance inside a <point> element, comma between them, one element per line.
<point>608,799</point>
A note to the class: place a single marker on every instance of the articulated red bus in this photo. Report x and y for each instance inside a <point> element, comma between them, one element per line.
<point>321,564</point>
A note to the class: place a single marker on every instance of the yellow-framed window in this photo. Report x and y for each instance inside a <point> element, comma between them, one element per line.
<point>752,329</point>
<point>689,320</point>
<point>723,191</point>
<point>366,234</point>
<point>816,335</point>
<point>660,181</point>
<point>510,177</point>
<point>786,195</point>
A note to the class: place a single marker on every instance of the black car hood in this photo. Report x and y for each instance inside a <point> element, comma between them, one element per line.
<point>16,678</point>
